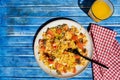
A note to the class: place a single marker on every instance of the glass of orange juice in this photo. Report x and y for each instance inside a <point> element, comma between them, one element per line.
<point>101,10</point>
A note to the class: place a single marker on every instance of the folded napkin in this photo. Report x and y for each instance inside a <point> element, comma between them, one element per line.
<point>106,51</point>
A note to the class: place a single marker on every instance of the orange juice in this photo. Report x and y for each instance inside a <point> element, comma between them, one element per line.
<point>100,10</point>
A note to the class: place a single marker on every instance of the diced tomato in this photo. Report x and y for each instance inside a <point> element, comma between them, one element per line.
<point>74,37</point>
<point>58,30</point>
<point>65,52</point>
<point>77,57</point>
<point>43,48</point>
<point>50,33</point>
<point>75,63</point>
<point>74,70</point>
<point>50,36</point>
<point>64,70</point>
<point>58,65</point>
<point>71,32</point>
<point>50,61</point>
<point>40,42</point>
<point>80,45</point>
<point>54,46</point>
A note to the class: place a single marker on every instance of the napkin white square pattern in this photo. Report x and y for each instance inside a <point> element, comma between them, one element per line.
<point>107,52</point>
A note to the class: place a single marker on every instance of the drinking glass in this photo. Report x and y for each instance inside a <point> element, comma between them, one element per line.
<point>101,10</point>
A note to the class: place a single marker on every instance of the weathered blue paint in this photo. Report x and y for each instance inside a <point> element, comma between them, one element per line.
<point>19,21</point>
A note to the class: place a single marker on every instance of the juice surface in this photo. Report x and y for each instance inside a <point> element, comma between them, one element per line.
<point>101,10</point>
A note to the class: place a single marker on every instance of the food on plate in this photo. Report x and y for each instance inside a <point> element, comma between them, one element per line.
<point>54,44</point>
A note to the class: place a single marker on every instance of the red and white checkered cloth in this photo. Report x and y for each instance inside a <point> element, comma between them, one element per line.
<point>107,52</point>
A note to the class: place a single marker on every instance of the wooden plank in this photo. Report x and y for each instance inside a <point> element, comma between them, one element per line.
<point>39,2</point>
<point>15,39</point>
<point>42,78</point>
<point>48,2</point>
<point>50,11</point>
<point>84,20</point>
<point>39,20</point>
<point>20,61</point>
<point>26,30</point>
<point>8,30</point>
<point>19,35</point>
<point>17,61</point>
<point>16,51</point>
<point>23,41</point>
<point>31,30</point>
<point>34,72</point>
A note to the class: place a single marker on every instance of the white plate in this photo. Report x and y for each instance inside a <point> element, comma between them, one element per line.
<point>69,22</point>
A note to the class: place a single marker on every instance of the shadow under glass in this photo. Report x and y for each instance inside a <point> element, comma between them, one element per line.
<point>85,5</point>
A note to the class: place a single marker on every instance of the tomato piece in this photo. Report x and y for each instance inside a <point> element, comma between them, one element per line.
<point>58,30</point>
<point>64,70</point>
<point>77,57</point>
<point>50,61</point>
<point>42,48</point>
<point>58,66</point>
<point>50,33</point>
<point>40,42</point>
<point>54,46</point>
<point>65,52</point>
<point>80,45</point>
<point>74,70</point>
<point>75,37</point>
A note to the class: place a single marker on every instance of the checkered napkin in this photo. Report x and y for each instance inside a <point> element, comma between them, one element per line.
<point>107,52</point>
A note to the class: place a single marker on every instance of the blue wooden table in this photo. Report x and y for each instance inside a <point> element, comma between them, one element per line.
<point>19,21</point>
